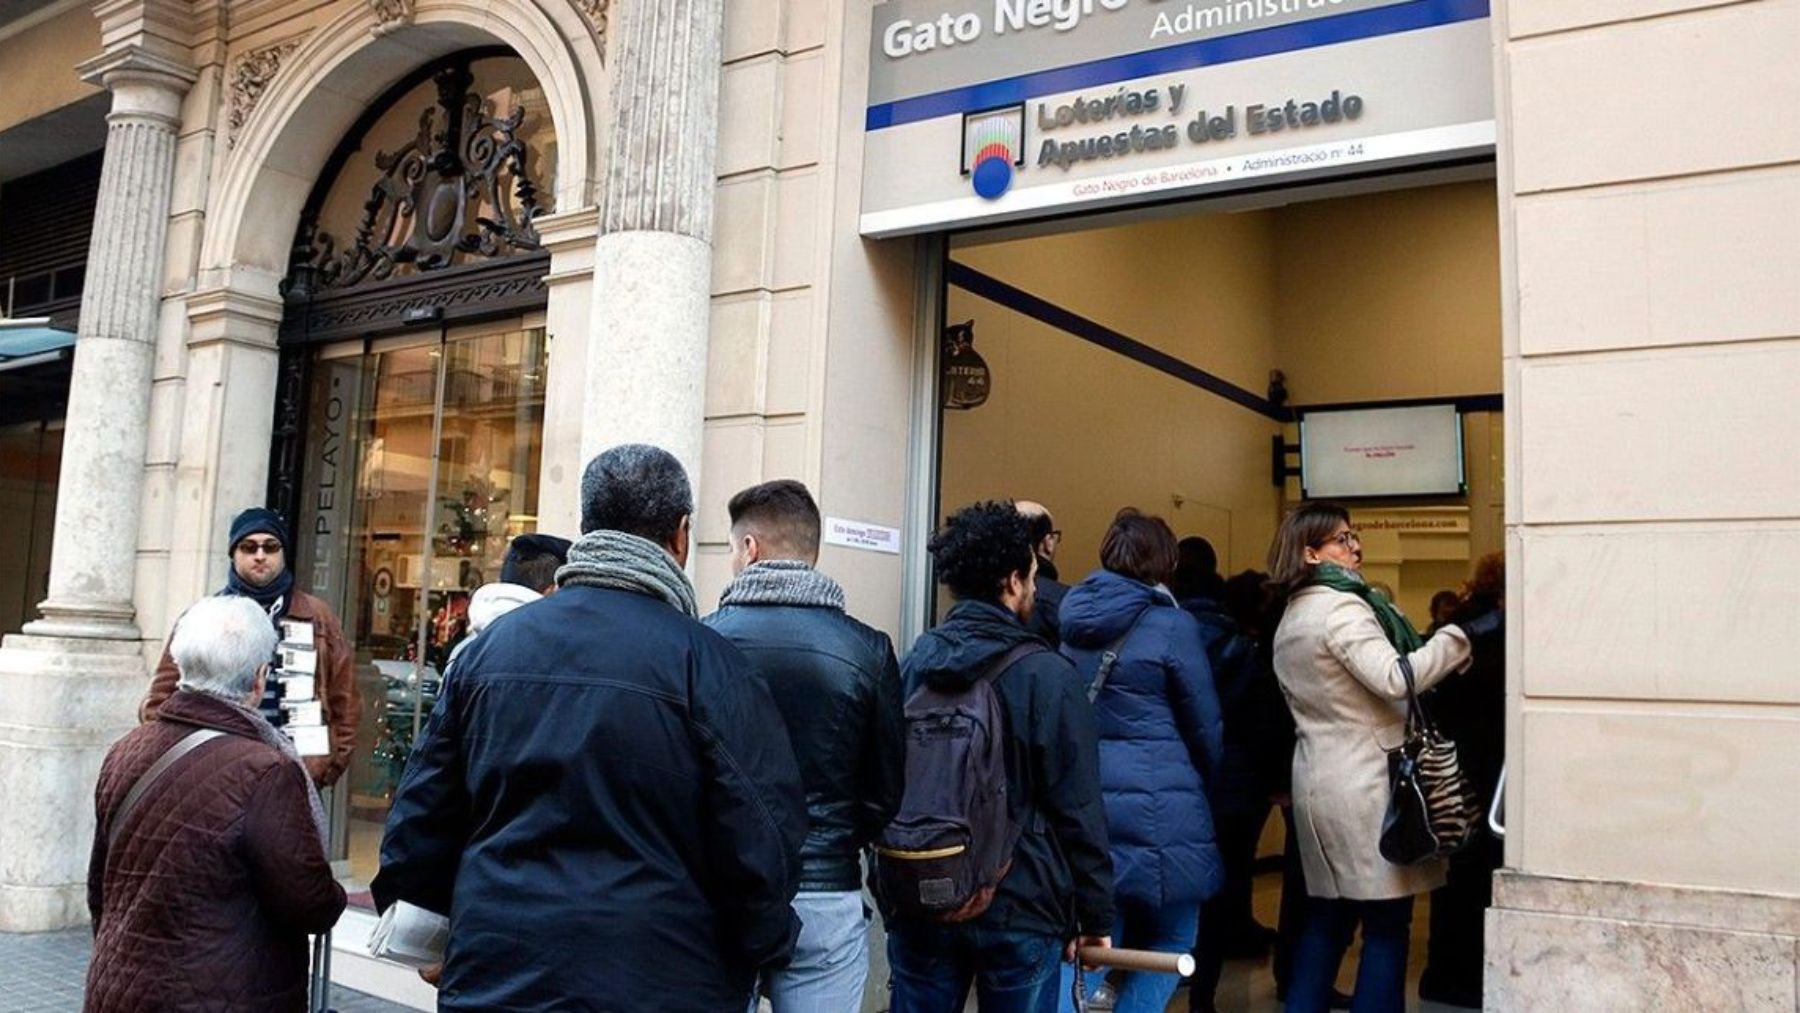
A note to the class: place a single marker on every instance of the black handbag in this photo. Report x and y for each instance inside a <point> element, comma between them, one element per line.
<point>1432,808</point>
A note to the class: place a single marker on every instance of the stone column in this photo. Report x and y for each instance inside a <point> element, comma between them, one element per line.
<point>69,684</point>
<point>646,358</point>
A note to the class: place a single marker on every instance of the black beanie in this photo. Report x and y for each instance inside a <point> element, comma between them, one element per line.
<point>257,521</point>
<point>526,548</point>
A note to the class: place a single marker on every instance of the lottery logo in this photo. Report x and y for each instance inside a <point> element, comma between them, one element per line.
<point>993,148</point>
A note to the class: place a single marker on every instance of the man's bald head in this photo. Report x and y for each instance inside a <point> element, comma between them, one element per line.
<point>1044,536</point>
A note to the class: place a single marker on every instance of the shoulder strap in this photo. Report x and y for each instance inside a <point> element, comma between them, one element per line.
<point>188,744</point>
<point>1417,718</point>
<point>1109,658</point>
<point>1018,653</point>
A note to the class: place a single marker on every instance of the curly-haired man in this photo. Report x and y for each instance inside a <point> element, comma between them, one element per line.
<point>1058,891</point>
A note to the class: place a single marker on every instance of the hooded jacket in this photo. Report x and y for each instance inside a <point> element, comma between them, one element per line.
<point>1061,877</point>
<point>1161,736</point>
<point>488,603</point>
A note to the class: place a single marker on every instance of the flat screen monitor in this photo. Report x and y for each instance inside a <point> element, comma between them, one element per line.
<point>1364,452</point>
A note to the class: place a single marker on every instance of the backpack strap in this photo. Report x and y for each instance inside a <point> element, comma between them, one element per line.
<point>1018,653</point>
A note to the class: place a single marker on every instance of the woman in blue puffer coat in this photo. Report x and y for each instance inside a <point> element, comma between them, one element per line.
<point>1161,740</point>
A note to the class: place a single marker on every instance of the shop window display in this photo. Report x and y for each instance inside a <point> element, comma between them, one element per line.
<point>423,458</point>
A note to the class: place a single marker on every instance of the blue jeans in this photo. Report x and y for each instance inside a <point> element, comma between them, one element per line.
<point>831,957</point>
<point>1169,929</point>
<point>1013,971</point>
<point>1381,975</point>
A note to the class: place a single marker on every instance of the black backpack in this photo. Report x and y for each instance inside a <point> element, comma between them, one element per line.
<point>946,851</point>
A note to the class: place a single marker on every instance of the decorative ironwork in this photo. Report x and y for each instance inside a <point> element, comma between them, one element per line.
<point>250,77</point>
<point>462,294</point>
<point>293,377</point>
<point>459,189</point>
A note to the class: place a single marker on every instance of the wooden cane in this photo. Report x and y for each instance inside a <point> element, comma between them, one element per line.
<point>1137,960</point>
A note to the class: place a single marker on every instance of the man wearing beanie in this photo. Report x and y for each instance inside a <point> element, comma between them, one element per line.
<point>258,553</point>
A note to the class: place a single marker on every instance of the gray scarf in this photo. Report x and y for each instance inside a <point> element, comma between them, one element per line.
<point>270,737</point>
<point>622,562</point>
<point>783,582</point>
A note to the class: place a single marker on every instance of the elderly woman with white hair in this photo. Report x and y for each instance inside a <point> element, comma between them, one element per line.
<point>209,869</point>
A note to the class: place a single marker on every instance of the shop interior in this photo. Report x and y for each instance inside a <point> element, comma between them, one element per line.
<point>1361,300</point>
<point>1152,359</point>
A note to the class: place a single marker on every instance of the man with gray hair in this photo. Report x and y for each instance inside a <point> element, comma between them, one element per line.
<point>208,869</point>
<point>604,802</point>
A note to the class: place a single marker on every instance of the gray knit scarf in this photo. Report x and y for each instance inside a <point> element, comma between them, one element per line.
<point>622,562</point>
<point>270,737</point>
<point>783,582</point>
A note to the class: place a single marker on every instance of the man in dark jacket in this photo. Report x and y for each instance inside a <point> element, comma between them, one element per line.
<point>838,688</point>
<point>1058,892</point>
<point>1240,799</point>
<point>204,888</point>
<point>1047,589</point>
<point>604,801</point>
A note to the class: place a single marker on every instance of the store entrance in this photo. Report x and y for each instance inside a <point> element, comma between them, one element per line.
<point>422,459</point>
<point>1152,363</point>
<point>1174,361</point>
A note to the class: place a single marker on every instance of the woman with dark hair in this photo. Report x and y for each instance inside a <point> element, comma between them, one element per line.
<point>1337,654</point>
<point>1161,741</point>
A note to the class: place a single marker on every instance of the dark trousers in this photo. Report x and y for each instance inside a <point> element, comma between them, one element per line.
<point>1293,904</point>
<point>1380,975</point>
<point>933,966</point>
<point>1227,917</point>
<point>1453,952</point>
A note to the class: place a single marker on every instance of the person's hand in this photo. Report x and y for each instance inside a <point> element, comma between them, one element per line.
<point>1085,942</point>
<point>432,974</point>
<point>1488,625</point>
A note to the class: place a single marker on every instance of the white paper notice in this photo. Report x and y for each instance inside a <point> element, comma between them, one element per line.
<point>295,688</point>
<point>299,661</point>
<point>305,714</point>
<point>297,633</point>
<point>858,535</point>
<point>310,740</point>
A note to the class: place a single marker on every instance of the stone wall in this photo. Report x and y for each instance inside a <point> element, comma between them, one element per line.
<point>1652,291</point>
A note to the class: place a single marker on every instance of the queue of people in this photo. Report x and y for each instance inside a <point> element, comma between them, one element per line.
<point>622,805</point>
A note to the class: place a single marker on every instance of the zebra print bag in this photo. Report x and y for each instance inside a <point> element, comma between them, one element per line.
<point>1432,810</point>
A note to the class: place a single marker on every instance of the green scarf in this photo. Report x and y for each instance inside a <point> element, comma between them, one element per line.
<point>1398,630</point>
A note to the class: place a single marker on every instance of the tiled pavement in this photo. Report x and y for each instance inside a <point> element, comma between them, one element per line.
<point>43,973</point>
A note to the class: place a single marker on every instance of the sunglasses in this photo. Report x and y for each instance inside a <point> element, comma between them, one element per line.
<point>268,548</point>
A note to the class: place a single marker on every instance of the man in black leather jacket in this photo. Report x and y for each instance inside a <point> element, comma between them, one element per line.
<point>837,686</point>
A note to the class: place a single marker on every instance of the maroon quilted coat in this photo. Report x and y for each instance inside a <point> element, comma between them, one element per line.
<point>206,899</point>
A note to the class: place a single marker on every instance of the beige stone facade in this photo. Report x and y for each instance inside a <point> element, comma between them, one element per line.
<point>1649,196</point>
<point>1652,305</point>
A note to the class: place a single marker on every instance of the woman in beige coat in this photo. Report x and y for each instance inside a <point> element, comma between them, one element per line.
<point>1336,660</point>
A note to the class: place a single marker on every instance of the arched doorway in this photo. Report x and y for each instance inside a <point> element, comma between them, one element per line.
<point>410,411</point>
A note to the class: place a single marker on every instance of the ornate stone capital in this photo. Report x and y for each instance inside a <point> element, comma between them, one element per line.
<point>594,12</point>
<point>144,84</point>
<point>390,15</point>
<point>250,77</point>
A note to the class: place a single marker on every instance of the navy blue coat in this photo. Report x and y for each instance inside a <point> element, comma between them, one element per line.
<point>1161,737</point>
<point>1241,683</point>
<point>606,803</point>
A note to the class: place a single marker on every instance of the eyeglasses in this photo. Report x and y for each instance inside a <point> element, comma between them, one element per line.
<point>1056,534</point>
<point>1347,539</point>
<point>269,548</point>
